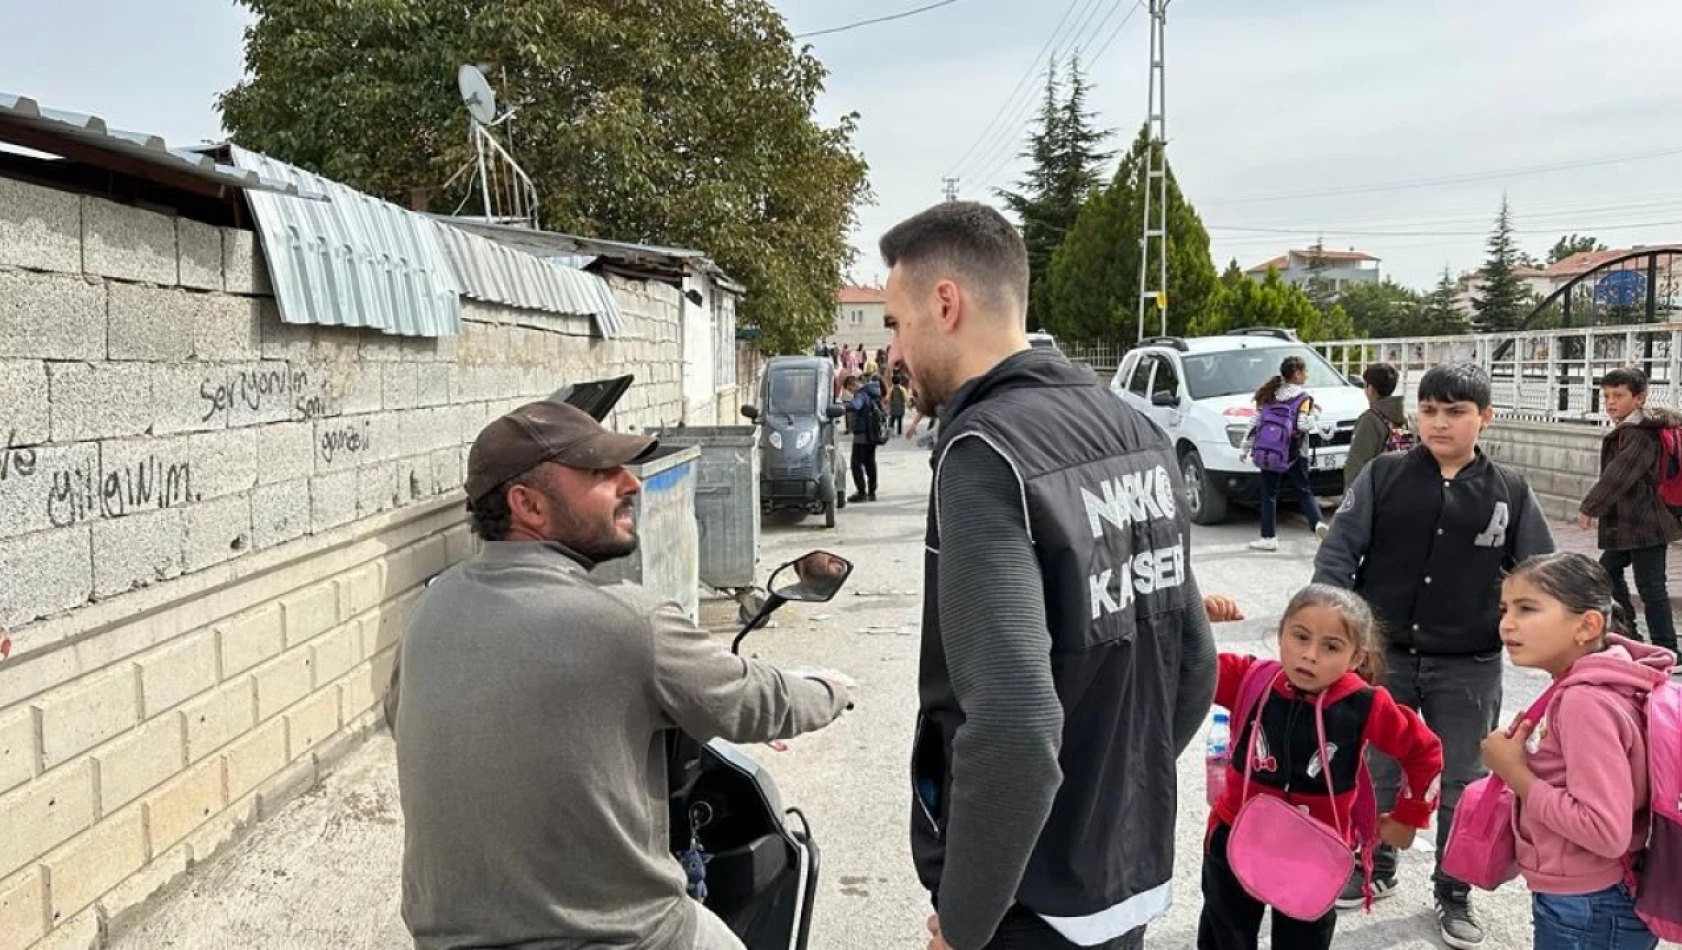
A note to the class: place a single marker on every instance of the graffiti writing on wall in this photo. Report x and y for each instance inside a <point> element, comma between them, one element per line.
<point>259,389</point>
<point>17,461</point>
<point>78,494</point>
<point>345,440</point>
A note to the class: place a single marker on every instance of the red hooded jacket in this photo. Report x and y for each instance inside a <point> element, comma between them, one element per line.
<point>1287,761</point>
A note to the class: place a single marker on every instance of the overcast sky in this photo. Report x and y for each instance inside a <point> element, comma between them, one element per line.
<point>1281,115</point>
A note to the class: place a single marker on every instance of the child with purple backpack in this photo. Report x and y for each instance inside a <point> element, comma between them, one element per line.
<point>1589,830</point>
<point>1285,414</point>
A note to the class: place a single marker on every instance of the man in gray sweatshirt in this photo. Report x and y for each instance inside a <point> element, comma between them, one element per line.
<point>534,703</point>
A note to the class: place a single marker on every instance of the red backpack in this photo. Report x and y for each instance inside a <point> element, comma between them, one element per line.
<point>1670,466</point>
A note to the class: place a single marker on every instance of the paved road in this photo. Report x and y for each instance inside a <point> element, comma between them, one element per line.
<point>324,873</point>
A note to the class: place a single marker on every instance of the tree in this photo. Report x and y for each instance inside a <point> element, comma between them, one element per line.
<point>1573,244</point>
<point>693,127</point>
<point>1064,172</point>
<point>1441,315</point>
<point>1317,286</point>
<point>1269,302</point>
<point>1501,305</point>
<point>1094,284</point>
<point>1233,274</point>
<point>1381,310</point>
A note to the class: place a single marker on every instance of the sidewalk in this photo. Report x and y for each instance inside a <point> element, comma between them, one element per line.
<point>1569,537</point>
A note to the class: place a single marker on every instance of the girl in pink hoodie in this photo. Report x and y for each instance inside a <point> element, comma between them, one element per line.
<point>1579,775</point>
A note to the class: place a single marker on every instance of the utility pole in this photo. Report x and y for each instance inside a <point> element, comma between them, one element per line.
<point>950,188</point>
<point>1153,282</point>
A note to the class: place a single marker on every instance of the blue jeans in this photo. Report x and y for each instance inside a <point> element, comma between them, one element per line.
<point>1601,921</point>
<point>1296,478</point>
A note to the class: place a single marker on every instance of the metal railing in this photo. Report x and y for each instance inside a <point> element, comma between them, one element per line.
<point>1103,357</point>
<point>1538,376</point>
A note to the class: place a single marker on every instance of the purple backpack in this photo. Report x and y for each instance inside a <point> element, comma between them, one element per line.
<point>1276,429</point>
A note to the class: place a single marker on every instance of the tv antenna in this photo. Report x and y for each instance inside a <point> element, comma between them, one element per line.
<point>506,192</point>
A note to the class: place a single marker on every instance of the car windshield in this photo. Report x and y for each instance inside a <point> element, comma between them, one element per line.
<point>1209,375</point>
<point>793,391</point>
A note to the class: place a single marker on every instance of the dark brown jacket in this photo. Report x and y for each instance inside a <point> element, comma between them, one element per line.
<point>1626,499</point>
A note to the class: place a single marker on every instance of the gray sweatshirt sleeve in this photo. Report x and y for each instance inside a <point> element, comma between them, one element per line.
<point>998,652</point>
<point>1197,668</point>
<point>709,692</point>
<point>1341,553</point>
<point>1534,535</point>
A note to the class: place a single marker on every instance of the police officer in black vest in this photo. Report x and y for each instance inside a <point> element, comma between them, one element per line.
<point>1066,657</point>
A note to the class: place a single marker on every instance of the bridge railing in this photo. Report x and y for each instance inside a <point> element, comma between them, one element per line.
<point>1538,375</point>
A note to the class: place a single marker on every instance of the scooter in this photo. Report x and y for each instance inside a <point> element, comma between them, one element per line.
<point>745,859</point>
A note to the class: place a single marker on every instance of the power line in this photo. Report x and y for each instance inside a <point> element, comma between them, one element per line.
<point>1452,179</point>
<point>875,20</point>
<point>1020,118</point>
<point>1483,233</point>
<point>1117,31</point>
<point>1032,70</point>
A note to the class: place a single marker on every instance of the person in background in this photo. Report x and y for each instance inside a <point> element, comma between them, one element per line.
<point>1042,793</point>
<point>864,403</point>
<point>1385,413</point>
<point>1286,388</point>
<point>1425,536</point>
<point>898,396</point>
<point>1579,776</point>
<point>1636,528</point>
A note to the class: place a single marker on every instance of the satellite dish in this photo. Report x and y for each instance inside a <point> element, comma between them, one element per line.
<point>477,94</point>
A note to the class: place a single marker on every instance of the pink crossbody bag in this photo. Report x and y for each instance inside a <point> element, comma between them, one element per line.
<point>1482,849</point>
<point>1284,857</point>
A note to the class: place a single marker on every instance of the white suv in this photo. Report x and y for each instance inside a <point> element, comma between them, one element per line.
<point>1201,392</point>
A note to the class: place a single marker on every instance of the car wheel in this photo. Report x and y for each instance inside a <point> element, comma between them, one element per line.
<point>1205,502</point>
<point>840,487</point>
<point>829,515</point>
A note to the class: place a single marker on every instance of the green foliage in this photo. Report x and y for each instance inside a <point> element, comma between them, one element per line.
<point>1094,285</point>
<point>1379,310</point>
<point>1317,286</point>
<point>1233,274</point>
<point>1573,244</point>
<point>685,122</point>
<point>1502,304</point>
<point>1065,172</point>
<point>1269,302</point>
<point>1441,314</point>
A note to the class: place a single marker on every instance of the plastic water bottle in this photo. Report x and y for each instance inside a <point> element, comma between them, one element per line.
<point>1217,759</point>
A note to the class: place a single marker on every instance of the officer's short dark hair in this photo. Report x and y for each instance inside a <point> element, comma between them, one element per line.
<point>1456,382</point>
<point>969,240</point>
<point>1382,377</point>
<point>1628,377</point>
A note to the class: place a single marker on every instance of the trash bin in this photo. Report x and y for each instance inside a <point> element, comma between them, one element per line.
<point>666,561</point>
<point>726,500</point>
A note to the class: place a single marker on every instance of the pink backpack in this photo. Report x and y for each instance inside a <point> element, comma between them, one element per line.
<point>1482,849</point>
<point>1283,857</point>
<point>1658,900</point>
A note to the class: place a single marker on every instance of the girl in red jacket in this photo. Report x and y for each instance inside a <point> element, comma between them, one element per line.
<point>1328,641</point>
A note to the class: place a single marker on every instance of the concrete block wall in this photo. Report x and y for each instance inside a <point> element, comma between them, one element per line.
<point>1561,462</point>
<point>212,527</point>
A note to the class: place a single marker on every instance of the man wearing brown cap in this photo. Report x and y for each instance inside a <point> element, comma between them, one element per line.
<point>533,707</point>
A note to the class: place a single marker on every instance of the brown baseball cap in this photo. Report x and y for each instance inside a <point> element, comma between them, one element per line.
<point>541,432</point>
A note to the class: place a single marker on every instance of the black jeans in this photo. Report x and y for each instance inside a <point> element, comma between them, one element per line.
<point>1022,930</point>
<point>864,468</point>
<point>1232,918</point>
<point>1649,564</point>
<point>1296,478</point>
<point>1460,699</point>
<point>897,420</point>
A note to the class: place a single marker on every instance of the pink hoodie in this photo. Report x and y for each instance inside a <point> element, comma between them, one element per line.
<point>1588,809</point>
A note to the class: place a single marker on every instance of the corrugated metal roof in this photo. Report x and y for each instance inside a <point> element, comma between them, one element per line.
<point>352,260</point>
<point>502,274</point>
<point>91,131</point>
<point>671,261</point>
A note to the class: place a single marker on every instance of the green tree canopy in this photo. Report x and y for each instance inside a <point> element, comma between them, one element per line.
<point>1440,314</point>
<point>1505,300</point>
<point>1573,244</point>
<point>1064,172</point>
<point>1269,302</point>
<point>688,125</point>
<point>1094,282</point>
<point>1233,274</point>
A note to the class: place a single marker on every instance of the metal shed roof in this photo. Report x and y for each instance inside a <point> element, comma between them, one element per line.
<point>87,138</point>
<point>670,262</point>
<point>508,275</point>
<point>352,260</point>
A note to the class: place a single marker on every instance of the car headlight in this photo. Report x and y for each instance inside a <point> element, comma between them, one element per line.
<point>804,440</point>
<point>776,441</point>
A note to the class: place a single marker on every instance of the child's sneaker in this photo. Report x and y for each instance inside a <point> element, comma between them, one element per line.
<point>1460,927</point>
<point>1354,896</point>
<point>1265,544</point>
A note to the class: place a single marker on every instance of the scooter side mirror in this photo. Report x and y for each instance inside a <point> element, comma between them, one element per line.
<point>835,410</point>
<point>751,412</point>
<point>814,579</point>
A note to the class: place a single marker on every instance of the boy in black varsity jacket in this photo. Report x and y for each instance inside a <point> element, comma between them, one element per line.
<point>1424,536</point>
